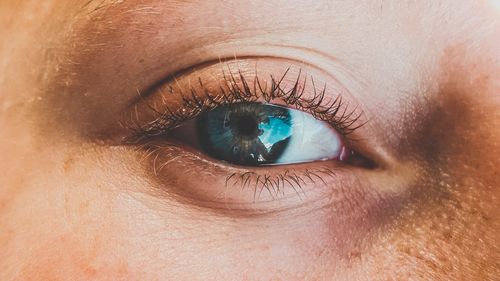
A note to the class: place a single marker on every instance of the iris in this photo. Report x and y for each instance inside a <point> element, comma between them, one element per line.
<point>254,134</point>
<point>248,134</point>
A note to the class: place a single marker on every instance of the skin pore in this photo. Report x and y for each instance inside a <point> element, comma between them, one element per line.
<point>77,203</point>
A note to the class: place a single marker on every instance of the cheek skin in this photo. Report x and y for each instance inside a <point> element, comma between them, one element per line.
<point>60,230</point>
<point>65,257</point>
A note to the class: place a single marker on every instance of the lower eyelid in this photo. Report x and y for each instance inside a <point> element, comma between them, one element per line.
<point>205,183</point>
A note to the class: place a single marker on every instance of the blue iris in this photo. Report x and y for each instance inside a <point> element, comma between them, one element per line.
<point>249,134</point>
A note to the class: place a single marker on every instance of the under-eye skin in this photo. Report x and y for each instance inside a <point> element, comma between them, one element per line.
<point>271,132</point>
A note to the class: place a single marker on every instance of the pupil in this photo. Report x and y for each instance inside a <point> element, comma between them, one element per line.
<point>246,125</point>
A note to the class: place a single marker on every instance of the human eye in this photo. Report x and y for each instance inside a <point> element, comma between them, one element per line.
<point>255,134</point>
<point>257,128</point>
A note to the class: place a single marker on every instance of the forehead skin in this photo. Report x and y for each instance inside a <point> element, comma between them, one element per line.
<point>64,218</point>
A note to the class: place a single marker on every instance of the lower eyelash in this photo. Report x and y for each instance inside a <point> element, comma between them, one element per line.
<point>275,185</point>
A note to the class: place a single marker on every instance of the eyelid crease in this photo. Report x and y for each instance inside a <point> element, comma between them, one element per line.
<point>233,88</point>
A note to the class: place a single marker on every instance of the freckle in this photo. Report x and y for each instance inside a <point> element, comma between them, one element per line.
<point>447,235</point>
<point>265,247</point>
<point>83,208</point>
<point>484,216</point>
<point>89,271</point>
<point>68,164</point>
<point>122,269</point>
<point>354,255</point>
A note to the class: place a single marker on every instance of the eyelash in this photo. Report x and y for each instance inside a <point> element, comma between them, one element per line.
<point>275,185</point>
<point>235,88</point>
<point>332,111</point>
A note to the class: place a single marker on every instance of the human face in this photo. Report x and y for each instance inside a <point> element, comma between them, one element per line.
<point>104,178</point>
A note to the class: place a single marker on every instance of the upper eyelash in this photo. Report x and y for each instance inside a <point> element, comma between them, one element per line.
<point>333,110</point>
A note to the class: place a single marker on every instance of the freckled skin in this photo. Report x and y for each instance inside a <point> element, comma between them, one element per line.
<point>74,209</point>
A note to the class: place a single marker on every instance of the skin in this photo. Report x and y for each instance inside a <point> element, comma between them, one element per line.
<point>78,204</point>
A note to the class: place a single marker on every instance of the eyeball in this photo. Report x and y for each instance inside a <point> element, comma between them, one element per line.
<point>312,140</point>
<point>254,134</point>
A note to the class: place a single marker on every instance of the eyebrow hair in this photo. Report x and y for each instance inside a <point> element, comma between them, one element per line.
<point>91,6</point>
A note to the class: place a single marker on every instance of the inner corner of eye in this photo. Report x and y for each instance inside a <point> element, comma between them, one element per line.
<point>256,134</point>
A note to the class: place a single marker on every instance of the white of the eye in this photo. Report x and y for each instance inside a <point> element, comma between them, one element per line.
<point>312,140</point>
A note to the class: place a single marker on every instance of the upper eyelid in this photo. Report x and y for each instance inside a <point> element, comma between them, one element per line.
<point>236,88</point>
